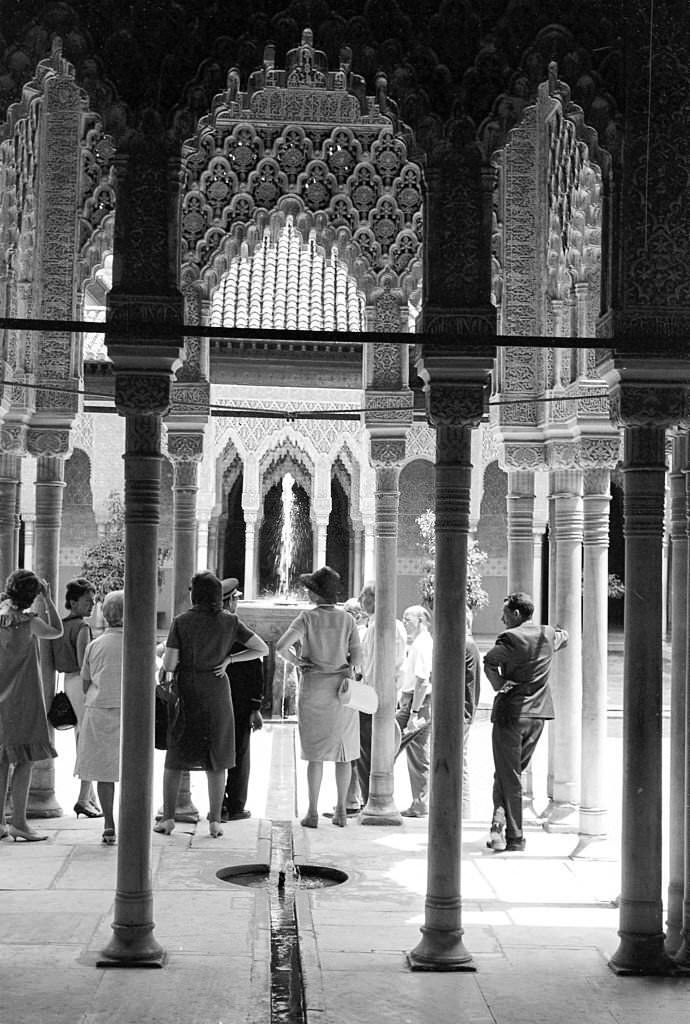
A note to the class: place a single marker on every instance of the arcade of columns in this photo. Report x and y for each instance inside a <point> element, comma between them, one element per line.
<point>522,224</point>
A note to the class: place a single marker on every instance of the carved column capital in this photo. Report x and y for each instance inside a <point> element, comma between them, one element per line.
<point>387,452</point>
<point>523,456</point>
<point>142,394</point>
<point>13,438</point>
<point>48,441</point>
<point>650,405</point>
<point>185,446</point>
<point>456,403</point>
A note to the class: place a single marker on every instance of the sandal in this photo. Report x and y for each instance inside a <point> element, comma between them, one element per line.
<point>310,821</point>
<point>339,819</point>
<point>108,836</point>
<point>214,829</point>
<point>165,826</point>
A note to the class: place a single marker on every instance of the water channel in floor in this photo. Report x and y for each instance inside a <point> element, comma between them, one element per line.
<point>282,879</point>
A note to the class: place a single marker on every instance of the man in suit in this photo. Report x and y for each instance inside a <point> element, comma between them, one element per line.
<point>518,668</point>
<point>247,688</point>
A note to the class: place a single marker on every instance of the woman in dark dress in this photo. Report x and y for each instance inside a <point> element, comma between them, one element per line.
<point>199,643</point>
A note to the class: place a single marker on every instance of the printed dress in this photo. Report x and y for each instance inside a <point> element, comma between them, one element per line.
<point>24,732</point>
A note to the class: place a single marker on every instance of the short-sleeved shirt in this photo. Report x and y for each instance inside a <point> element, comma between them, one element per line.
<point>418,664</point>
<point>329,637</point>
<point>102,668</point>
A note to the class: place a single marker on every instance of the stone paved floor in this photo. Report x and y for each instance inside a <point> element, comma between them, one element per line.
<point>539,926</point>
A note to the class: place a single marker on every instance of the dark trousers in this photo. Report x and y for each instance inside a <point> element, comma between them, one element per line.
<point>513,745</point>
<point>417,747</point>
<point>238,777</point>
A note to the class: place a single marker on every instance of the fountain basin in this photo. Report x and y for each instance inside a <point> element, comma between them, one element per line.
<point>258,876</point>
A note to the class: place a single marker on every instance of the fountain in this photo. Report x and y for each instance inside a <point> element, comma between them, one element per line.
<point>288,533</point>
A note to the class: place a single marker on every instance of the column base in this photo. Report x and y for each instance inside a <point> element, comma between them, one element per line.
<point>132,946</point>
<point>561,817</point>
<point>642,955</point>
<point>43,804</point>
<point>681,957</point>
<point>597,847</point>
<point>440,951</point>
<point>380,810</point>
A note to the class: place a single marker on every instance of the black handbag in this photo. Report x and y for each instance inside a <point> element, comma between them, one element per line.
<point>61,714</point>
<point>169,717</point>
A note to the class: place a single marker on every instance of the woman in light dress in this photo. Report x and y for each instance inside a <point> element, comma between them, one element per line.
<point>98,749</point>
<point>323,642</point>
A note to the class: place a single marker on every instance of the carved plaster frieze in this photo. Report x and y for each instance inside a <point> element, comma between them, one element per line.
<point>392,407</point>
<point>188,397</point>
<point>125,308</point>
<point>48,441</point>
<point>141,393</point>
<point>524,456</point>
<point>474,322</point>
<point>599,452</point>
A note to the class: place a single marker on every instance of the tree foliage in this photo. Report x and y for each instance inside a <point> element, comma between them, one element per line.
<point>104,563</point>
<point>477,597</point>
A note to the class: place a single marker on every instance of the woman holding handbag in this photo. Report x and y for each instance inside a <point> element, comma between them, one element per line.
<point>323,642</point>
<point>24,736</point>
<point>68,655</point>
<point>203,739</point>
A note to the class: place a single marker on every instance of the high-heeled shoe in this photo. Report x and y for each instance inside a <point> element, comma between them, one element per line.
<point>4,832</point>
<point>165,826</point>
<point>214,829</point>
<point>88,812</point>
<point>108,836</point>
<point>26,834</point>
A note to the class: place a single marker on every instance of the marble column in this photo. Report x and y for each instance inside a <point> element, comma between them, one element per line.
<point>50,485</point>
<point>320,541</point>
<point>186,451</point>
<point>380,809</point>
<point>566,670</point>
<point>9,487</point>
<point>441,946</point>
<point>357,551</point>
<point>641,947</point>
<point>593,818</point>
<point>679,668</point>
<point>250,587</point>
<point>202,542</point>
<point>520,509</point>
<point>133,942</point>
<point>369,568</point>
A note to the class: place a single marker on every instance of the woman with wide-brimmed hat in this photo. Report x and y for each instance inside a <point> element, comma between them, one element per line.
<point>323,642</point>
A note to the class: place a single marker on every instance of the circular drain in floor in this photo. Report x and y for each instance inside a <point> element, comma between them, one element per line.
<point>258,876</point>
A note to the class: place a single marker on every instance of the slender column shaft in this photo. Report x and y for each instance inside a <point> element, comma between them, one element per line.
<point>249,560</point>
<point>680,706</point>
<point>29,540</point>
<point>441,946</point>
<point>593,813</point>
<point>567,670</point>
<point>49,490</point>
<point>381,808</point>
<point>201,544</point>
<point>357,580</point>
<point>369,553</point>
<point>679,664</point>
<point>185,489</point>
<point>520,506</point>
<point>641,949</point>
<point>9,487</point>
<point>133,941</point>
<point>321,531</point>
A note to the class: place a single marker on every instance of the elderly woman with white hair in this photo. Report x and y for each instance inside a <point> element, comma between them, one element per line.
<point>98,748</point>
